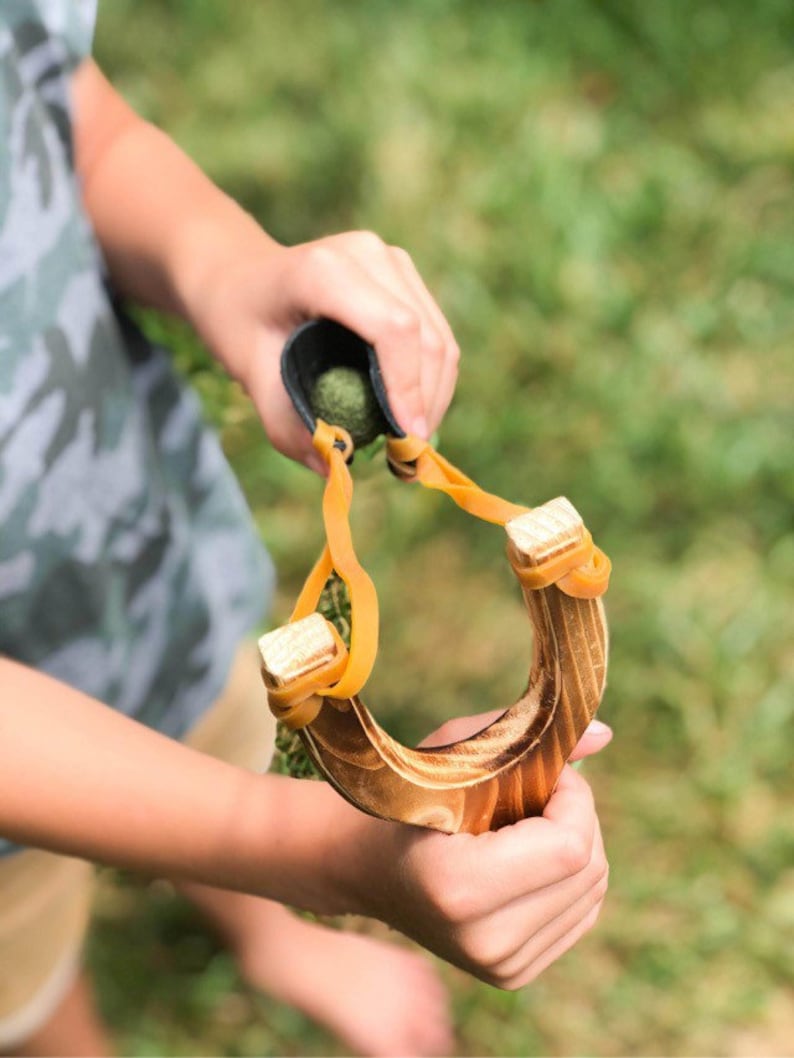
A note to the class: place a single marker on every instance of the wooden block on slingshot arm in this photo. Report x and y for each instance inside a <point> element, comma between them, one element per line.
<point>501,774</point>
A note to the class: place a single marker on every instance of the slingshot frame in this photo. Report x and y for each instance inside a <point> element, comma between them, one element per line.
<point>501,774</point>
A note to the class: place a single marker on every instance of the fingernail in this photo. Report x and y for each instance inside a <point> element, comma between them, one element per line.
<point>597,728</point>
<point>419,427</point>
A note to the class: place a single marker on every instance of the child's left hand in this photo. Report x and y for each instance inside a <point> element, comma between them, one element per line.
<point>252,305</point>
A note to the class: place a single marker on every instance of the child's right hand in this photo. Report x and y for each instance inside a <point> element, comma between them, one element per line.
<point>501,905</point>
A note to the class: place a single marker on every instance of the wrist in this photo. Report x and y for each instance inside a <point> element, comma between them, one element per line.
<point>300,843</point>
<point>357,859</point>
<point>207,264</point>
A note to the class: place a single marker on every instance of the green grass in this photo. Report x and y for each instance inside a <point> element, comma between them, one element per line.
<point>600,196</point>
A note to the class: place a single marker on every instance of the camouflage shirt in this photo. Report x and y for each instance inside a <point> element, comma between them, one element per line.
<point>129,564</point>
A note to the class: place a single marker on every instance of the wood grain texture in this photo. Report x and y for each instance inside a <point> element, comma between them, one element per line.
<point>296,650</point>
<point>505,772</point>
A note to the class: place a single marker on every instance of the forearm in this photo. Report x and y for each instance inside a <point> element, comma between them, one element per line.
<point>155,214</point>
<point>78,778</point>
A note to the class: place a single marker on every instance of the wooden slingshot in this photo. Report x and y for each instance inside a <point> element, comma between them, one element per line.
<point>503,773</point>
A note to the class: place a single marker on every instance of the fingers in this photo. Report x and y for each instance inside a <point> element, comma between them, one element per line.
<point>593,740</point>
<point>438,371</point>
<point>554,846</point>
<point>286,431</point>
<point>588,912</point>
<point>567,928</point>
<point>467,878</point>
<point>503,904</point>
<point>550,921</point>
<point>358,280</point>
<point>254,302</point>
<point>502,930</point>
<point>376,291</point>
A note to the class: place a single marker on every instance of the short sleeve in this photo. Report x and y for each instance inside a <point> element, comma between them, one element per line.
<point>71,21</point>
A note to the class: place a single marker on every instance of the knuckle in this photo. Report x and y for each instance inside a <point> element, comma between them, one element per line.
<point>521,979</point>
<point>457,903</point>
<point>597,868</point>
<point>448,897</point>
<point>601,887</point>
<point>489,951</point>
<point>507,976</point>
<point>433,343</point>
<point>368,241</point>
<point>319,257</point>
<point>404,323</point>
<point>402,256</point>
<point>575,852</point>
<point>513,982</point>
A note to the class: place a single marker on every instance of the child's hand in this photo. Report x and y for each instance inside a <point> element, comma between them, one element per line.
<point>501,905</point>
<point>249,304</point>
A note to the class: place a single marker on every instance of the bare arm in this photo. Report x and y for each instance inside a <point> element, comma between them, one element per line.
<point>77,778</point>
<point>151,207</point>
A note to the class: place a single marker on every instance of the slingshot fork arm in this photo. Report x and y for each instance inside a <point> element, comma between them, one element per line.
<point>503,773</point>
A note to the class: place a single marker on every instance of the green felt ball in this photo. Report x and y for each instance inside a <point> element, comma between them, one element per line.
<point>342,396</point>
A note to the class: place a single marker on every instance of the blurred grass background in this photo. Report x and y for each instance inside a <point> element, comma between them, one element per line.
<point>600,196</point>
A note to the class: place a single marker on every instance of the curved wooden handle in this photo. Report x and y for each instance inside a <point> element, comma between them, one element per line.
<point>504,773</point>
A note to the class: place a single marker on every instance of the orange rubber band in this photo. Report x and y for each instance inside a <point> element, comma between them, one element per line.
<point>589,580</point>
<point>339,554</point>
<point>416,460</point>
<point>582,572</point>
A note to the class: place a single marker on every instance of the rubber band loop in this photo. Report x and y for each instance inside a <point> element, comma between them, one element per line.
<point>581,572</point>
<point>339,554</point>
<point>589,580</point>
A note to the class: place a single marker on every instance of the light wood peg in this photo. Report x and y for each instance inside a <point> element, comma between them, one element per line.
<point>545,532</point>
<point>296,650</point>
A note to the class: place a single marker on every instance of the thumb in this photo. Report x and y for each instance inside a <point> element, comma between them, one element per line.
<point>594,739</point>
